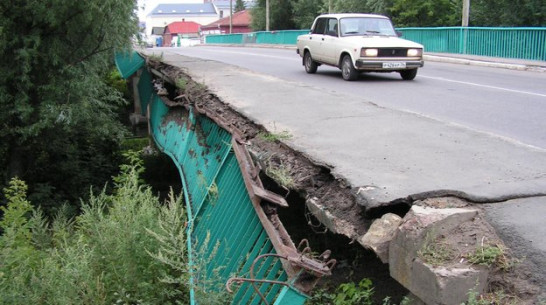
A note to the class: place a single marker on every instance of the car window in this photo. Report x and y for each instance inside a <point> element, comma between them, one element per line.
<point>366,26</point>
<point>332,27</point>
<point>320,26</point>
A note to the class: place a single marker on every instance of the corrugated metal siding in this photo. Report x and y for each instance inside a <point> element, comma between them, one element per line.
<point>128,63</point>
<point>220,208</point>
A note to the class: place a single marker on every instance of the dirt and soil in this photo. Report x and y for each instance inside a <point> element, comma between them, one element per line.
<point>311,179</point>
<point>510,277</point>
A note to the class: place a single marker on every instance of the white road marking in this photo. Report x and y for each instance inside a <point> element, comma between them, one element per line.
<point>484,86</point>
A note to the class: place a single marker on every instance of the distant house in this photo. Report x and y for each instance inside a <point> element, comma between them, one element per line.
<point>165,14</point>
<point>182,29</point>
<point>222,7</point>
<point>240,24</point>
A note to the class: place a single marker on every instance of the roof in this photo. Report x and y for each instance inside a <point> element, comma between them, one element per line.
<point>182,27</point>
<point>348,15</point>
<point>223,4</point>
<point>184,9</point>
<point>241,18</point>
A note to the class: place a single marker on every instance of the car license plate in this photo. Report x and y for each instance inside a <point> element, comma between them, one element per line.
<point>394,65</point>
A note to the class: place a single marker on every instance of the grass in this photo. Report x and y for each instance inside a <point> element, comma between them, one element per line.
<point>281,175</point>
<point>181,83</point>
<point>492,255</point>
<point>436,252</point>
<point>496,297</point>
<point>274,136</point>
<point>156,57</point>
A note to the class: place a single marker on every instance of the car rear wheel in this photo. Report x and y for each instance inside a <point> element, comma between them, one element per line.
<point>348,71</point>
<point>309,63</point>
<point>408,74</point>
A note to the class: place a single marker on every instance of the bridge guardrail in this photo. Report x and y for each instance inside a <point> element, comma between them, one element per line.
<point>521,43</point>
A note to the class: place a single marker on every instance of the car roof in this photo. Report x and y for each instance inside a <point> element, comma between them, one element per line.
<point>345,15</point>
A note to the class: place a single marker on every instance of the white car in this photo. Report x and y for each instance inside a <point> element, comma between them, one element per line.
<point>359,43</point>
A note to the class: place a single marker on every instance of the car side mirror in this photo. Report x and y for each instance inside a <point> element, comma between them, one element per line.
<point>398,33</point>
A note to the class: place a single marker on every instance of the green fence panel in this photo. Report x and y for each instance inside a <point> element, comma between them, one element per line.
<point>225,234</point>
<point>279,37</point>
<point>225,38</point>
<point>522,43</point>
<point>128,63</point>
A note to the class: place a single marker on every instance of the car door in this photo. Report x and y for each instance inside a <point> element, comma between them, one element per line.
<point>330,42</point>
<point>316,38</point>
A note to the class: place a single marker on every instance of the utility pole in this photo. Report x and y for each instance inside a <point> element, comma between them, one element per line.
<point>329,6</point>
<point>230,14</point>
<point>466,13</point>
<point>267,15</point>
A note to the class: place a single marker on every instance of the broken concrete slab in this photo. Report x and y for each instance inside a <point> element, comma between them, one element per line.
<point>420,226</point>
<point>446,286</point>
<point>380,234</point>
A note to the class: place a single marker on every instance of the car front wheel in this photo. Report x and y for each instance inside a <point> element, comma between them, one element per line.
<point>408,74</point>
<point>348,71</point>
<point>309,63</point>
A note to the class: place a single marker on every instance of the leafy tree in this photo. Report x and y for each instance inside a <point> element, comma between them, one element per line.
<point>351,6</point>
<point>305,12</point>
<point>508,13</point>
<point>425,13</point>
<point>280,15</point>
<point>59,128</point>
<point>380,6</point>
<point>239,6</point>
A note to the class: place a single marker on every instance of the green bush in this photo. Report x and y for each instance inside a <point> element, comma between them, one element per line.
<point>125,248</point>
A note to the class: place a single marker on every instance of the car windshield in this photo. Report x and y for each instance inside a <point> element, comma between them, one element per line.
<point>359,26</point>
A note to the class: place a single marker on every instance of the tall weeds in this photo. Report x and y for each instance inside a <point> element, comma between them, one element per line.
<point>124,248</point>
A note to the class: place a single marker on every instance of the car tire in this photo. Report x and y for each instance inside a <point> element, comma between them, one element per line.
<point>309,63</point>
<point>408,74</point>
<point>348,71</point>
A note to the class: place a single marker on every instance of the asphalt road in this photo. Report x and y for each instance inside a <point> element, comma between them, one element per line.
<point>507,103</point>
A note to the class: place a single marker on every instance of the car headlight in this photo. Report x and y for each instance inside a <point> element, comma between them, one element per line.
<point>414,52</point>
<point>368,52</point>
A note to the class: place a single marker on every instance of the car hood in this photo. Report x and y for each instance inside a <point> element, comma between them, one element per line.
<point>381,41</point>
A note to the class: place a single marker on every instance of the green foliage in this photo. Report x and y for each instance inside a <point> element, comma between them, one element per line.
<point>59,116</point>
<point>351,6</point>
<point>426,13</point>
<point>114,80</point>
<point>305,12</point>
<point>507,13</point>
<point>492,255</point>
<point>239,6</point>
<point>346,294</point>
<point>349,293</point>
<point>101,256</point>
<point>281,16</point>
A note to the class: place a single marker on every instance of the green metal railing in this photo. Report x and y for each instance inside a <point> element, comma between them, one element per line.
<point>225,232</point>
<point>279,37</point>
<point>521,43</point>
<point>226,237</point>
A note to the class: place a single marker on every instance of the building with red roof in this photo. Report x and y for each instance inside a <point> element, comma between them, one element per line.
<point>240,24</point>
<point>182,29</point>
